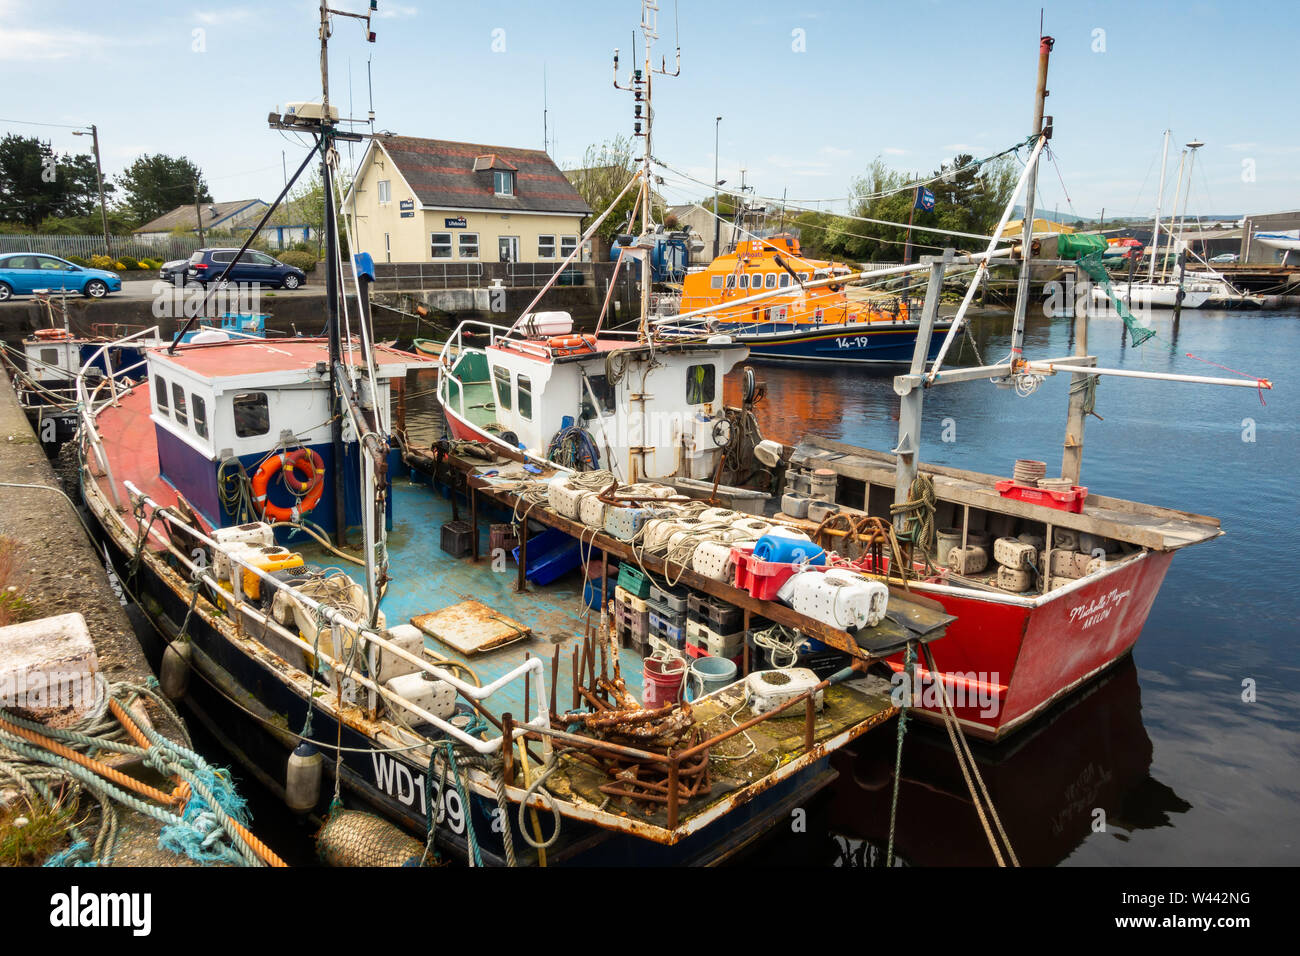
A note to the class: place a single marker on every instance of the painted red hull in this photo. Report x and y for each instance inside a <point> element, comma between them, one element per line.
<point>1004,663</point>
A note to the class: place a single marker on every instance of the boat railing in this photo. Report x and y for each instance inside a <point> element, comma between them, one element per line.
<point>85,404</point>
<point>531,669</point>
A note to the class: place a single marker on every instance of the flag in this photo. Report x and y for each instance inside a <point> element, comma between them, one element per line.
<point>924,199</point>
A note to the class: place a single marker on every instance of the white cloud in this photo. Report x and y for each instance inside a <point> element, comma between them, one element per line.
<point>836,151</point>
<point>33,46</point>
<point>956,147</point>
<point>215,18</point>
<point>388,11</point>
<point>894,151</point>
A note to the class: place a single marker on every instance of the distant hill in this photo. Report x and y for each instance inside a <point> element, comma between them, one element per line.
<point>1067,218</point>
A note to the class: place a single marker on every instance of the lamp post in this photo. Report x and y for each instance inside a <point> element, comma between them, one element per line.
<point>717,223</point>
<point>99,182</point>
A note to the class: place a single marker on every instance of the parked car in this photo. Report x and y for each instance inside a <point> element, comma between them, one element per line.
<point>170,270</point>
<point>208,265</point>
<point>1226,257</point>
<point>22,273</point>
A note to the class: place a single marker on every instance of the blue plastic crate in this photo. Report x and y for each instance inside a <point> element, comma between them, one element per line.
<point>551,555</point>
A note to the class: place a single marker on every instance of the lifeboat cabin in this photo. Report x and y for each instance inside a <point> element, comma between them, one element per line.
<point>762,265</point>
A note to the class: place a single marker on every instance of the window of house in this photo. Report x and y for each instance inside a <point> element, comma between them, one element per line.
<point>385,190</point>
<point>701,384</point>
<point>567,245</point>
<point>468,242</point>
<point>525,398</point>
<point>503,182</point>
<point>252,414</point>
<point>715,282</point>
<point>440,245</point>
<point>200,414</point>
<point>160,393</point>
<point>178,404</point>
<point>546,247</point>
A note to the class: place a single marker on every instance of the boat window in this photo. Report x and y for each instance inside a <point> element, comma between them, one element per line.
<point>701,384</point>
<point>715,282</point>
<point>770,281</point>
<point>502,377</point>
<point>50,356</point>
<point>178,403</point>
<point>784,281</point>
<point>525,398</point>
<point>440,245</point>
<point>160,393</point>
<point>604,393</point>
<point>803,277</point>
<point>744,280</point>
<point>200,414</point>
<point>731,281</point>
<point>252,414</point>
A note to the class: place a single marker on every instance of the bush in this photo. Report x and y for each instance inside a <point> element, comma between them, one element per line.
<point>128,263</point>
<point>77,261</point>
<point>306,261</point>
<point>150,264</point>
<point>101,262</point>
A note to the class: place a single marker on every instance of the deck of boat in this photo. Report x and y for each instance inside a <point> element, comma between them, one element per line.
<point>1148,526</point>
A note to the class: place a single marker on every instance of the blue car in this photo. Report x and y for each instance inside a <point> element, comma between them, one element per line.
<point>22,273</point>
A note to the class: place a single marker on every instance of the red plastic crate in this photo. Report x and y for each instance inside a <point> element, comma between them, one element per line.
<point>1071,500</point>
<point>762,579</point>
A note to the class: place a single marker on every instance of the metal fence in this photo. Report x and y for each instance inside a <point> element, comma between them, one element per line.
<point>411,276</point>
<point>172,247</point>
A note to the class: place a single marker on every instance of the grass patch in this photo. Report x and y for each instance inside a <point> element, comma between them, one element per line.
<point>31,833</point>
<point>14,607</point>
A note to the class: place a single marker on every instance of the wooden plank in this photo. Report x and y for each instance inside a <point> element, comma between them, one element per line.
<point>471,627</point>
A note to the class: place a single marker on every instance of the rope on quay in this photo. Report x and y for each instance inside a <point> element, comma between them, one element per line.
<point>203,816</point>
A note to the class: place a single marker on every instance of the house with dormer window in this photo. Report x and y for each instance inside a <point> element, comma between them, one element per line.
<point>433,200</point>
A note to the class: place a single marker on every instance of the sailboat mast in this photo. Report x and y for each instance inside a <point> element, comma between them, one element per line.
<point>1173,212</point>
<point>1160,196</point>
<point>1045,44</point>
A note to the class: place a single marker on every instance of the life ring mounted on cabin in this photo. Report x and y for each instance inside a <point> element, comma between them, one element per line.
<point>307,489</point>
<point>571,344</point>
<point>53,334</point>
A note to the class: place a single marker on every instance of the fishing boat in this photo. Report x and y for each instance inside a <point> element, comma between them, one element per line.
<point>839,323</point>
<point>320,602</point>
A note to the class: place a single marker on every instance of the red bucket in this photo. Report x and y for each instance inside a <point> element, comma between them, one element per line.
<point>662,681</point>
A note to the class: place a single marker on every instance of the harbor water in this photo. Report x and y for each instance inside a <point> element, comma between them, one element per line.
<point>1188,754</point>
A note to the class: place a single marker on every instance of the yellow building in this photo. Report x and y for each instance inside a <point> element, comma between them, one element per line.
<point>431,200</point>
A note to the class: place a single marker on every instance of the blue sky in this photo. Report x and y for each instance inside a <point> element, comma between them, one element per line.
<point>909,82</point>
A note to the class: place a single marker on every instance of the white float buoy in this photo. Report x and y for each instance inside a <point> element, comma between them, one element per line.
<point>302,778</point>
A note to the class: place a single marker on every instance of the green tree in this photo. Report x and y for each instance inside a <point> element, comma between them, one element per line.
<point>606,169</point>
<point>157,184</point>
<point>36,183</point>
<point>306,206</point>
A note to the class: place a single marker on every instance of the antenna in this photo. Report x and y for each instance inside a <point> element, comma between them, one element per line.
<point>546,139</point>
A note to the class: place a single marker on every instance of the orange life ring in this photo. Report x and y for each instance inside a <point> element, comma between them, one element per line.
<point>302,459</point>
<point>570,344</point>
<point>53,334</point>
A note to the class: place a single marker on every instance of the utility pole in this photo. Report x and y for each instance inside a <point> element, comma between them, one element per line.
<point>99,182</point>
<point>717,223</point>
<point>198,213</point>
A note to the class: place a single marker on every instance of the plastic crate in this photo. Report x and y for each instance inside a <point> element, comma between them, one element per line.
<point>720,617</point>
<point>551,554</point>
<point>633,581</point>
<point>762,579</point>
<point>621,596</point>
<point>673,600</point>
<point>674,634</point>
<point>457,538</point>
<point>1071,500</point>
<point>636,621</point>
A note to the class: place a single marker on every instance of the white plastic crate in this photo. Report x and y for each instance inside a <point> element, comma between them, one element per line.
<point>591,511</point>
<point>435,696</point>
<point>1014,554</point>
<point>768,690</point>
<point>410,639</point>
<point>565,499</point>
<point>836,597</point>
<point>712,559</point>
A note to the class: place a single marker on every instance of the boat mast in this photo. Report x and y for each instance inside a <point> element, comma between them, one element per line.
<point>1160,196</point>
<point>1173,213</point>
<point>1045,44</point>
<point>640,85</point>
